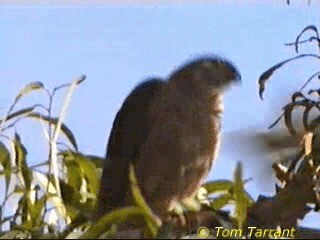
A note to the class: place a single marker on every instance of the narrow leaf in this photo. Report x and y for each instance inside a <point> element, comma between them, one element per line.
<point>240,196</point>
<point>39,207</point>
<point>52,194</point>
<point>20,153</point>
<point>305,117</point>
<point>137,195</point>
<point>80,79</point>
<point>65,106</point>
<point>98,161</point>
<point>267,74</point>
<point>19,113</point>
<point>74,175</point>
<point>316,74</point>
<point>5,162</point>
<point>35,209</point>
<point>153,223</point>
<point>71,195</point>
<point>29,88</point>
<point>117,216</point>
<point>80,167</point>
<point>288,109</point>
<point>218,186</point>
<point>67,132</point>
<point>310,27</point>
<point>288,118</point>
<point>90,171</point>
<point>221,201</point>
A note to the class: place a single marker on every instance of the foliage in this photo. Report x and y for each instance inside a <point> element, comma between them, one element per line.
<point>299,182</point>
<point>56,198</point>
<point>51,194</point>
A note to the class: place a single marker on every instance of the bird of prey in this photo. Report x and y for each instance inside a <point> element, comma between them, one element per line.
<point>169,129</point>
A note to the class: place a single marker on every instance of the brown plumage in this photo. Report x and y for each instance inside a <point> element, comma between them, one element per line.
<point>170,131</point>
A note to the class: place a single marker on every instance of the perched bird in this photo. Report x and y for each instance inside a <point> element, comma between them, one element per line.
<point>169,129</point>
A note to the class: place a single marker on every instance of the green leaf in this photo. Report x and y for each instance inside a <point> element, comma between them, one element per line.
<point>23,208</point>
<point>152,221</point>
<point>240,196</point>
<point>20,154</point>
<point>18,189</point>
<point>218,186</point>
<point>73,210</point>
<point>74,175</point>
<point>98,161</point>
<point>137,195</point>
<point>90,172</point>
<point>5,162</point>
<point>86,169</point>
<point>221,201</point>
<point>65,105</point>
<point>117,216</point>
<point>22,112</point>
<point>67,132</point>
<point>70,194</point>
<point>35,210</point>
<point>29,88</point>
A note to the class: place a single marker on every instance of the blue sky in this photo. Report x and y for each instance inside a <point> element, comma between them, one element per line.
<point>118,46</point>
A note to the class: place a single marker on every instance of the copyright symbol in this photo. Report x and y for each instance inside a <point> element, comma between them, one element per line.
<point>203,232</point>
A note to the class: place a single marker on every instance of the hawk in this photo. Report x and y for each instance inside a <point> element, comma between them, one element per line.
<point>169,129</point>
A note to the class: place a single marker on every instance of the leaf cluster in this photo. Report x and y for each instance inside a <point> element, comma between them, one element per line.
<point>298,182</point>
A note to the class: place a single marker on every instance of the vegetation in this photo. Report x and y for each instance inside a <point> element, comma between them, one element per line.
<point>56,198</point>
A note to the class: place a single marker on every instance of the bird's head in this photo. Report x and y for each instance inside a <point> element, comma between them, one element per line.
<point>210,74</point>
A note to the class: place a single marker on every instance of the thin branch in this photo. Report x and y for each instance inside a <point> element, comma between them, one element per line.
<point>309,80</point>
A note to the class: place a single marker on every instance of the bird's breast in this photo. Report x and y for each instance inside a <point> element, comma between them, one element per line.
<point>199,146</point>
<point>199,134</point>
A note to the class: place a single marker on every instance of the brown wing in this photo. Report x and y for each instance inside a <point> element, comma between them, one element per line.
<point>128,132</point>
